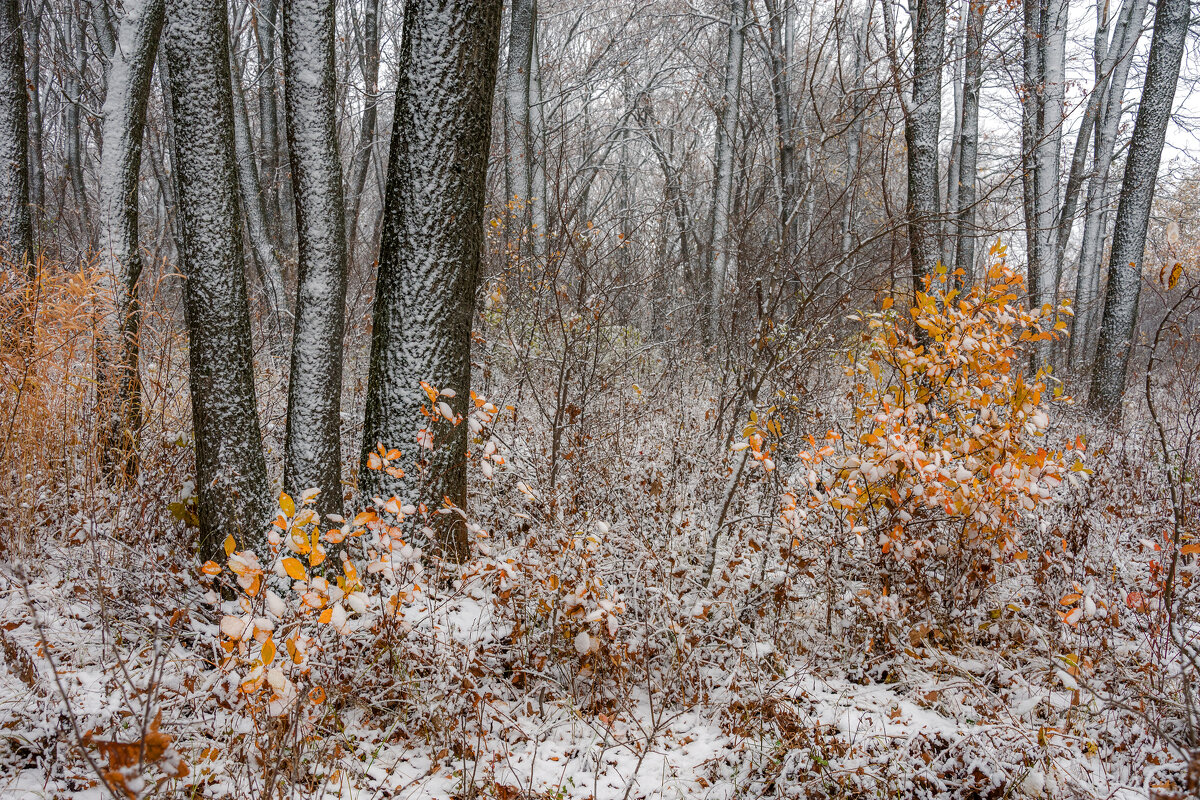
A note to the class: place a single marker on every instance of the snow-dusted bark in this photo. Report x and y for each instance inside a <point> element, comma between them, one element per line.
<point>1044,68</point>
<point>537,153</point>
<point>1119,324</point>
<point>73,87</point>
<point>37,162</point>
<point>314,448</point>
<point>271,172</point>
<point>518,177</point>
<point>1085,323</point>
<point>922,119</point>
<point>16,228</point>
<point>363,152</point>
<point>968,147</point>
<point>266,260</point>
<point>723,248</point>
<point>430,253</point>
<point>128,79</point>
<point>778,21</point>
<point>230,469</point>
<point>853,151</point>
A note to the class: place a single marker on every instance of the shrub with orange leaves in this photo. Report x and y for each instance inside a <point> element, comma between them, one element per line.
<point>945,462</point>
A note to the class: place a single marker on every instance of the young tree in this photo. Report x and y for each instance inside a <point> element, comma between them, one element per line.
<point>722,259</point>
<point>1119,324</point>
<point>314,445</point>
<point>968,147</point>
<point>129,73</point>
<point>16,226</point>
<point>518,144</point>
<point>230,470</point>
<point>429,258</point>
<point>922,120</point>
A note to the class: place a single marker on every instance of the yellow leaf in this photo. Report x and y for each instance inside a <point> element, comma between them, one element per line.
<point>230,545</point>
<point>887,303</point>
<point>326,615</point>
<point>268,652</point>
<point>287,504</point>
<point>211,568</point>
<point>294,569</point>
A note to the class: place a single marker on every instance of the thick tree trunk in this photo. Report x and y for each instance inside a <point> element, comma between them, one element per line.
<point>430,254</point>
<point>1087,282</point>
<point>921,126</point>
<point>128,79</point>
<point>1119,325</point>
<point>230,469</point>
<point>314,444</point>
<point>16,227</point>
<point>723,248</point>
<point>968,148</point>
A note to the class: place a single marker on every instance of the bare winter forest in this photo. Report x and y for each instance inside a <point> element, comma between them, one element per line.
<point>599,399</point>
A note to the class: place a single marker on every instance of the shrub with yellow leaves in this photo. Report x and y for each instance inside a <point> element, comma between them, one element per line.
<point>945,463</point>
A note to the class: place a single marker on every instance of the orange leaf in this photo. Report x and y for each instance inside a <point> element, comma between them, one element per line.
<point>268,652</point>
<point>294,569</point>
<point>287,504</point>
<point>230,545</point>
<point>326,615</point>
<point>1190,549</point>
<point>211,568</point>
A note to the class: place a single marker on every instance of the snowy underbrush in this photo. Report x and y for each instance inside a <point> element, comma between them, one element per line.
<point>595,660</point>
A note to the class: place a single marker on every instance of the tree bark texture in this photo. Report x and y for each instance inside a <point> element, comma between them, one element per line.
<point>430,252</point>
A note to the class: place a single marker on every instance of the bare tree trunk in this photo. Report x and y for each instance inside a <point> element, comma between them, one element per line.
<point>361,164</point>
<point>16,227</point>
<point>314,443</point>
<point>723,248</point>
<point>74,89</point>
<point>262,250</point>
<point>230,470</point>
<point>537,153</point>
<point>1087,281</point>
<point>518,177</point>
<point>37,162</point>
<point>853,151</point>
<point>430,254</point>
<point>1044,49</point>
<point>1117,330</point>
<point>968,149</point>
<point>922,120</point>
<point>128,79</point>
<point>785,143</point>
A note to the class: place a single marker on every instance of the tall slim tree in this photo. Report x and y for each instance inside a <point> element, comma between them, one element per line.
<point>314,444</point>
<point>968,148</point>
<point>230,469</point>
<point>429,258</point>
<point>16,226</point>
<point>722,248</point>
<point>518,143</point>
<point>922,121</point>
<point>1171,19</point>
<point>128,78</point>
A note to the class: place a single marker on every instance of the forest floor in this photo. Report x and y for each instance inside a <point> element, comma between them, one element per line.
<point>131,652</point>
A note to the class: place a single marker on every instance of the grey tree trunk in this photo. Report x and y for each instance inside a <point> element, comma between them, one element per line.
<point>853,151</point>
<point>1087,282</point>
<point>518,175</point>
<point>922,120</point>
<point>230,470</point>
<point>722,249</point>
<point>1044,50</point>
<point>314,444</point>
<point>1119,324</point>
<point>75,155</point>
<point>16,226</point>
<point>785,142</point>
<point>361,164</point>
<point>968,148</point>
<point>262,250</point>
<point>128,78</point>
<point>537,153</point>
<point>37,163</point>
<point>430,253</point>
